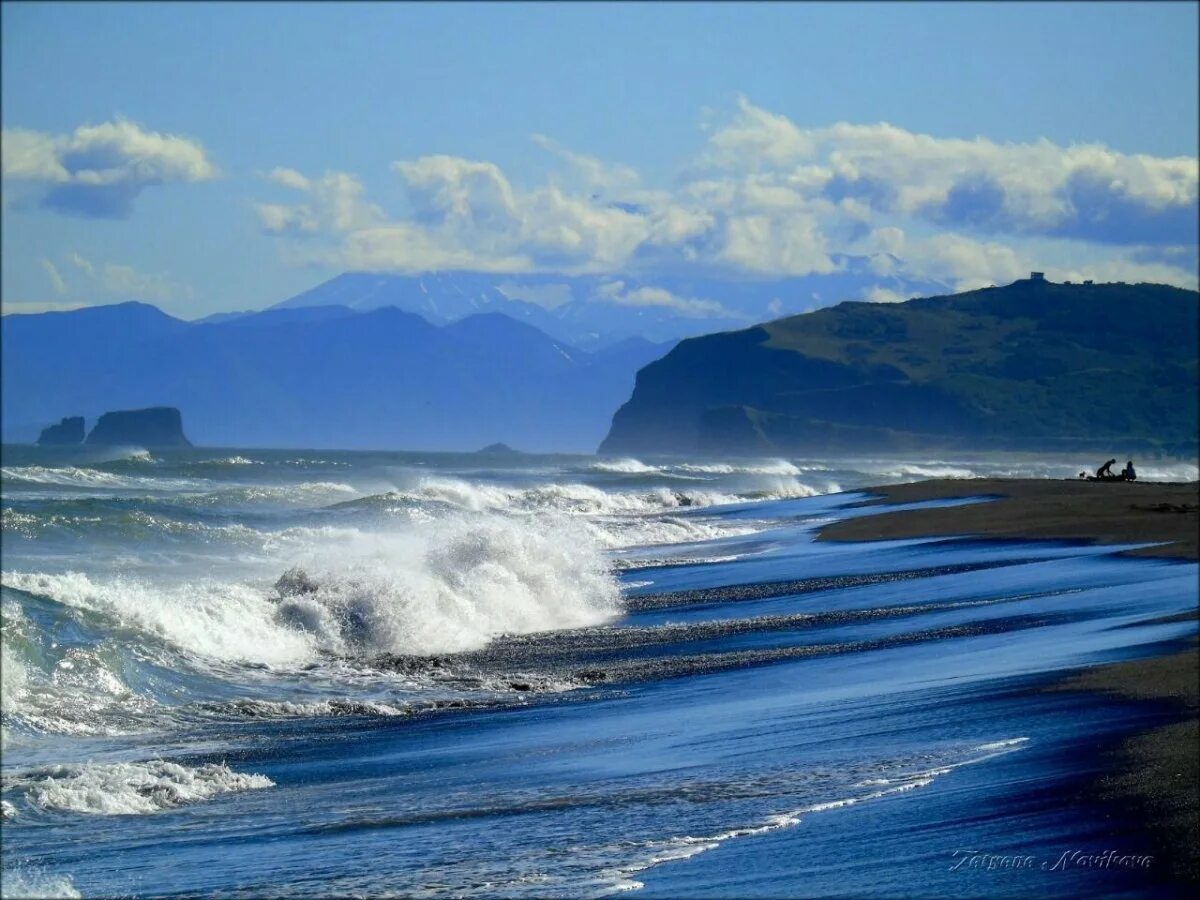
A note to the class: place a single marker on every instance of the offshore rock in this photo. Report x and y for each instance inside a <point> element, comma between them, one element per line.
<point>158,426</point>
<point>68,431</point>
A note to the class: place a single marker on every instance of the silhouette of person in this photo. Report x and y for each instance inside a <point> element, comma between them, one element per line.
<point>1105,471</point>
<point>1127,473</point>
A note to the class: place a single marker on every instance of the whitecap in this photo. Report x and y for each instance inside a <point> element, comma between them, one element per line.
<point>137,788</point>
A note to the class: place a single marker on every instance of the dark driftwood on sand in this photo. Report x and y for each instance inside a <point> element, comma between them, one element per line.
<point>1109,512</point>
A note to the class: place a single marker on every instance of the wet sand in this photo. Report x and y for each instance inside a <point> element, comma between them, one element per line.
<point>1105,512</point>
<point>1153,777</point>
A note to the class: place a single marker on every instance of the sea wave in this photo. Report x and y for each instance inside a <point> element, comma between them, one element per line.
<point>626,466</point>
<point>452,585</point>
<point>85,477</point>
<point>230,461</point>
<point>573,497</point>
<point>121,789</point>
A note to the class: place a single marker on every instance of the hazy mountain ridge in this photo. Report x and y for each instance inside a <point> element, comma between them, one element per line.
<point>318,377</point>
<point>1032,365</point>
<point>592,311</point>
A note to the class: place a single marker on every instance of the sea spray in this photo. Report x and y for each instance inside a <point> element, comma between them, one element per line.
<point>450,585</point>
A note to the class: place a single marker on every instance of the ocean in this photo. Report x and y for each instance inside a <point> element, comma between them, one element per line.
<point>313,673</point>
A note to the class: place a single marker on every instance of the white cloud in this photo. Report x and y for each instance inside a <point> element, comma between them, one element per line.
<point>289,178</point>
<point>755,138</point>
<point>615,292</point>
<point>126,282</point>
<point>960,262</point>
<point>1086,191</point>
<point>767,197</point>
<point>99,170</point>
<point>335,203</point>
<point>56,279</point>
<point>594,173</point>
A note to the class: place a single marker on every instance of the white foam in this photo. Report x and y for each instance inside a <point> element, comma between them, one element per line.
<point>34,883</point>
<point>85,477</point>
<point>768,467</point>
<point>616,533</point>
<point>571,498</point>
<point>117,789</point>
<point>216,619</point>
<point>627,466</point>
<point>690,845</point>
<point>451,585</point>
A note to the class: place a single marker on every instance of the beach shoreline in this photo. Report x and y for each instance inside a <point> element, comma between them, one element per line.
<point>1152,776</point>
<point>1139,512</point>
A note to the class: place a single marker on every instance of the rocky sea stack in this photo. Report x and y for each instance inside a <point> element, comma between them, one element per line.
<point>68,431</point>
<point>158,426</point>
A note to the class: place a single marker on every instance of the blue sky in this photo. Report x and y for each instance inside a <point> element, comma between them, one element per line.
<point>227,156</point>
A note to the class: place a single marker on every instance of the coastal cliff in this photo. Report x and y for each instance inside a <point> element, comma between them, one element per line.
<point>1032,365</point>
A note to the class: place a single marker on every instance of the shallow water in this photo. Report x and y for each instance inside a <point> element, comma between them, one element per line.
<point>288,672</point>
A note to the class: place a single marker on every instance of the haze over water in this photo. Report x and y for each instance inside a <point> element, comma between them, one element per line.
<point>313,672</point>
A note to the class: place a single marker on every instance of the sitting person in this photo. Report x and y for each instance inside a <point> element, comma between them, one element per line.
<point>1105,471</point>
<point>1127,473</point>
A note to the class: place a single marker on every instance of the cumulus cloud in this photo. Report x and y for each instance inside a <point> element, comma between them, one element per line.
<point>334,202</point>
<point>99,170</point>
<point>691,307</point>
<point>766,197</point>
<point>1084,191</point>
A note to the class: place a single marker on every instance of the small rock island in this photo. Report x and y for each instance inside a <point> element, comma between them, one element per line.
<point>498,450</point>
<point>68,431</point>
<point>156,426</point>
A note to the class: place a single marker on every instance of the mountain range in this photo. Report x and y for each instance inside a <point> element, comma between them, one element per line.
<point>1030,366</point>
<point>324,376</point>
<point>594,311</point>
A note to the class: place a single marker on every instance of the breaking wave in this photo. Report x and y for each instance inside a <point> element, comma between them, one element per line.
<point>452,585</point>
<point>84,477</point>
<point>36,884</point>
<point>124,789</point>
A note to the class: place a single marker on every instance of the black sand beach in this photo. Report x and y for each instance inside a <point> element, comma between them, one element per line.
<point>1106,512</point>
<point>1154,776</point>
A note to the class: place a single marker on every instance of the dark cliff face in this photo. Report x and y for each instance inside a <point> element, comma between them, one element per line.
<point>68,431</point>
<point>1027,366</point>
<point>158,426</point>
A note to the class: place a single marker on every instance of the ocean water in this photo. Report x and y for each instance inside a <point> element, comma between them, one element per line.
<point>305,673</point>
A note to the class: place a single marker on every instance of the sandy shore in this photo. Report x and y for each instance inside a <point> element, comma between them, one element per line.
<point>1154,776</point>
<point>1107,512</point>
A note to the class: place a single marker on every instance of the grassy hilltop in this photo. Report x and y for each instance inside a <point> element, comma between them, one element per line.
<point>1032,365</point>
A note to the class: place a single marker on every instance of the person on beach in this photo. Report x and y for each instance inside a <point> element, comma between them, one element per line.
<point>1127,473</point>
<point>1105,471</point>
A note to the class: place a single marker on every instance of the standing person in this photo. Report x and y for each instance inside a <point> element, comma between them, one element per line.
<point>1127,473</point>
<point>1105,471</point>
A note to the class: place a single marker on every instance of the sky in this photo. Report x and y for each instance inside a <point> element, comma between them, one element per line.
<point>219,157</point>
